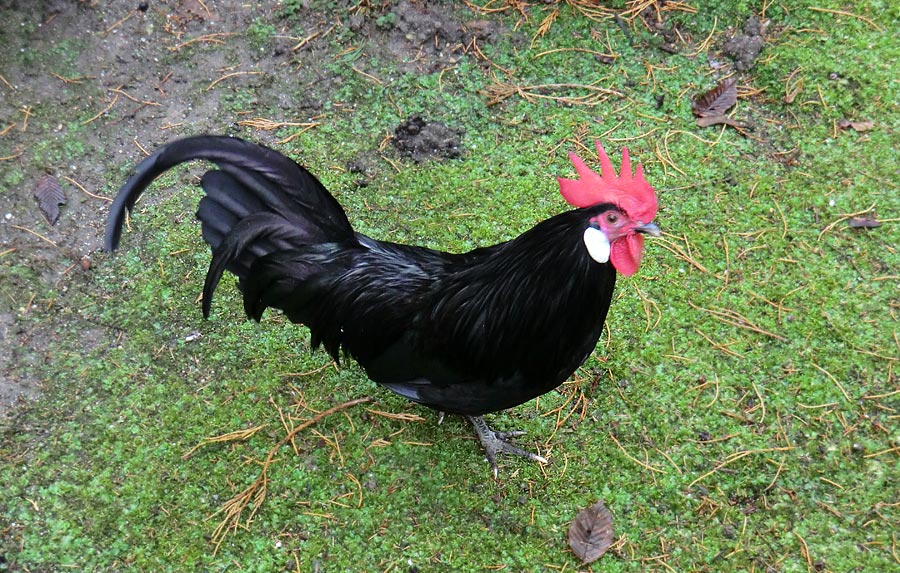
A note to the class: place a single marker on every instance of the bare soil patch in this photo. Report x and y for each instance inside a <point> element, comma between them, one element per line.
<point>89,87</point>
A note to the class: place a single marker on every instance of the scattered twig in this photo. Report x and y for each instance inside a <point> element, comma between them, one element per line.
<point>85,191</point>
<point>720,347</point>
<point>833,379</point>
<point>719,439</point>
<point>634,459</point>
<point>735,456</point>
<point>309,372</point>
<point>403,416</point>
<point>734,318</point>
<point>680,253</point>
<point>479,53</point>
<point>793,85</point>
<point>648,305</point>
<point>255,493</point>
<point>236,436</point>
<point>211,38</point>
<point>141,147</point>
<point>761,404</point>
<point>848,14</point>
<point>26,111</point>
<point>635,8</point>
<point>298,134</point>
<point>714,382</point>
<point>264,124</point>
<point>367,75</point>
<point>229,76</point>
<point>894,553</point>
<point>208,13</point>
<point>592,10</point>
<point>804,549</point>
<point>121,92</point>
<point>306,40</point>
<point>359,489</point>
<point>75,80</point>
<point>894,450</point>
<point>106,32</point>
<point>487,9</point>
<point>500,91</point>
<point>106,109</point>
<point>601,55</point>
<point>13,156</point>
<point>578,402</point>
<point>638,137</point>
<point>545,25</point>
<point>881,396</point>
<point>842,218</point>
<point>705,44</point>
<point>777,472</point>
<point>36,234</point>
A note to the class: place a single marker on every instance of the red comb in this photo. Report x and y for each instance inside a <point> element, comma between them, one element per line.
<point>630,192</point>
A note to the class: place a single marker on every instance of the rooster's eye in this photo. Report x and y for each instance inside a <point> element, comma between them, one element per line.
<point>612,218</point>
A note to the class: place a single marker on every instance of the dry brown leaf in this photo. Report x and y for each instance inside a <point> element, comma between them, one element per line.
<point>591,534</point>
<point>716,101</point>
<point>859,126</point>
<point>867,222</point>
<point>49,196</point>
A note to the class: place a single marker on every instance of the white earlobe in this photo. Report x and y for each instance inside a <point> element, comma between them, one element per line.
<point>597,244</point>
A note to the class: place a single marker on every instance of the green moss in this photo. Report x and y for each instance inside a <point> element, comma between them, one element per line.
<point>260,33</point>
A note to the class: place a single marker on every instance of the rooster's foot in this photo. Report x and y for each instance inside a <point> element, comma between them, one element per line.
<point>496,442</point>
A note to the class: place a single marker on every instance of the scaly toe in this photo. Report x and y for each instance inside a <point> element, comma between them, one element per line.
<point>496,442</point>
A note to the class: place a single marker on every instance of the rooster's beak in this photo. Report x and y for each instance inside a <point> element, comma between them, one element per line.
<point>648,229</point>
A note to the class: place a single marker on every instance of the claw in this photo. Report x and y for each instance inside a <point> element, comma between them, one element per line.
<point>506,435</point>
<point>496,442</point>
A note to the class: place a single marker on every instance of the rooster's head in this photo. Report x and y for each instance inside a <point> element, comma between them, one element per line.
<point>614,234</point>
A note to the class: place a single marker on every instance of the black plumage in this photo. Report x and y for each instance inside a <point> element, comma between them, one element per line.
<point>467,333</point>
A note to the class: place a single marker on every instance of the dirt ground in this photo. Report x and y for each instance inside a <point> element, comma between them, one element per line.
<point>93,85</point>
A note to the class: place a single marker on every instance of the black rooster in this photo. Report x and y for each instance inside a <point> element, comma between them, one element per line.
<point>467,333</point>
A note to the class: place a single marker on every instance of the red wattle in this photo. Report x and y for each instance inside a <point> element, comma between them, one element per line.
<point>626,253</point>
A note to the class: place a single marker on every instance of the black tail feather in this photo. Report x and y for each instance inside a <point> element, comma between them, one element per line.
<point>251,238</point>
<point>259,179</point>
<point>270,282</point>
<point>226,201</point>
<point>258,205</point>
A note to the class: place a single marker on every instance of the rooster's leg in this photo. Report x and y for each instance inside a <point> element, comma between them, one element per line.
<point>496,442</point>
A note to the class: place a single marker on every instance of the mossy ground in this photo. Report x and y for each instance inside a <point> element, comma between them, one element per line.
<point>741,414</point>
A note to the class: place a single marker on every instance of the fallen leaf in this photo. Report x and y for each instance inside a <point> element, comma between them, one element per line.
<point>856,125</point>
<point>49,196</point>
<point>864,223</point>
<point>717,100</point>
<point>591,534</point>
